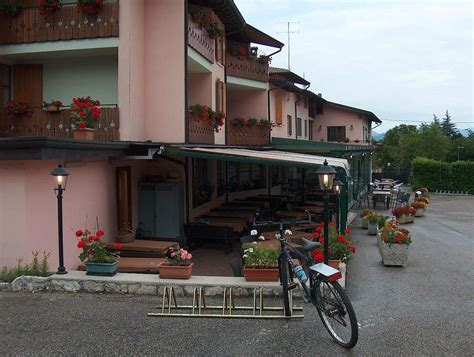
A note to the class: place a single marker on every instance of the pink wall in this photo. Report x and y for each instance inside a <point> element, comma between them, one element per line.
<point>151,70</point>
<point>28,208</point>
<point>246,103</point>
<point>200,89</point>
<point>333,116</point>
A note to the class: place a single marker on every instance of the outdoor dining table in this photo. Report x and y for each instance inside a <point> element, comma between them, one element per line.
<point>381,196</point>
<point>237,225</point>
<point>310,209</point>
<point>241,207</point>
<point>244,215</point>
<point>292,214</point>
<point>258,203</point>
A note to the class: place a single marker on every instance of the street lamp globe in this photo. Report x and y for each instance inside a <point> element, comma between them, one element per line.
<point>326,175</point>
<point>60,175</point>
<point>337,186</point>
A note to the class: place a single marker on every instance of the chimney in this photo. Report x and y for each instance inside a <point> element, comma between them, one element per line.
<point>320,95</point>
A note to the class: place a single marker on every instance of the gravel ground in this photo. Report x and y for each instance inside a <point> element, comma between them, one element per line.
<point>423,309</point>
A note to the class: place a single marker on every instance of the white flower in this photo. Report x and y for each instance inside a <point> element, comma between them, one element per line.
<point>277,235</point>
<point>418,192</point>
<point>261,238</point>
<point>253,232</point>
<point>288,232</point>
<point>250,250</point>
<point>244,256</point>
<point>255,243</point>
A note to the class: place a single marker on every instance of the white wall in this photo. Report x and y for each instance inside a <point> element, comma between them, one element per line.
<point>65,79</point>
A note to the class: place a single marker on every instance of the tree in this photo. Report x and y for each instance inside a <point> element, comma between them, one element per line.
<point>391,152</point>
<point>448,128</point>
<point>436,121</point>
<point>432,142</point>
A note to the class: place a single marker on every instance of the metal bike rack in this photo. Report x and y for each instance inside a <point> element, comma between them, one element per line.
<point>199,308</point>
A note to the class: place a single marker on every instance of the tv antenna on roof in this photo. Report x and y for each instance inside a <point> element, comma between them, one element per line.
<point>288,32</point>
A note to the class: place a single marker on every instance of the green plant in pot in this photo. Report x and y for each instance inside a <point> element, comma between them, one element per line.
<point>261,264</point>
<point>372,220</point>
<point>362,215</point>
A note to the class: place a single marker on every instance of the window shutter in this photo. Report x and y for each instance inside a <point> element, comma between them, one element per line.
<point>28,84</point>
<point>220,96</point>
<point>278,110</point>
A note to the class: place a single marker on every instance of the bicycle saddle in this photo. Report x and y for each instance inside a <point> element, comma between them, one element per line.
<point>309,245</point>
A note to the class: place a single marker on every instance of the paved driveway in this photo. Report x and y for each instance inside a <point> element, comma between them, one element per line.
<point>423,309</point>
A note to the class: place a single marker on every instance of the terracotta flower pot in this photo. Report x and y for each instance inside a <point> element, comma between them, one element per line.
<point>175,271</point>
<point>334,263</point>
<point>84,134</point>
<point>52,108</point>
<point>261,274</point>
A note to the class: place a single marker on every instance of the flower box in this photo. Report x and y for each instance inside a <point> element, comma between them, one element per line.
<point>393,254</point>
<point>372,227</point>
<point>406,218</point>
<point>102,269</point>
<point>365,224</point>
<point>420,212</point>
<point>52,108</point>
<point>168,271</point>
<point>84,134</point>
<point>261,274</point>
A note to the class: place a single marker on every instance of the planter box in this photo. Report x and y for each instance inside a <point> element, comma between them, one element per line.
<point>406,218</point>
<point>84,134</point>
<point>420,212</point>
<point>52,109</point>
<point>102,269</point>
<point>365,224</point>
<point>261,274</point>
<point>373,228</point>
<point>175,271</point>
<point>393,254</point>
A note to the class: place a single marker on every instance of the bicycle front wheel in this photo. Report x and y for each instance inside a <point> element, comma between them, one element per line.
<point>285,279</point>
<point>336,312</point>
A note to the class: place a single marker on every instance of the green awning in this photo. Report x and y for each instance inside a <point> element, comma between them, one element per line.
<point>263,157</point>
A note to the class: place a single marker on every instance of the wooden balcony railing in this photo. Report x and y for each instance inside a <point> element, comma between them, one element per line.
<point>200,133</point>
<point>44,123</point>
<point>255,135</point>
<point>67,24</point>
<point>199,39</point>
<point>247,68</point>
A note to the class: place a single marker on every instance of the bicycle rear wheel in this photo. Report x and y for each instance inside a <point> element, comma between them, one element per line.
<point>285,279</point>
<point>336,312</point>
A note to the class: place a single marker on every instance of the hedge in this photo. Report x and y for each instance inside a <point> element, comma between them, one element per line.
<point>443,176</point>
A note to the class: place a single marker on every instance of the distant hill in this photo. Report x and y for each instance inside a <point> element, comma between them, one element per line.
<point>377,136</point>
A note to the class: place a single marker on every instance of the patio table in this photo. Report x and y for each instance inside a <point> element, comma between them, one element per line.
<point>231,206</point>
<point>237,224</point>
<point>292,214</point>
<point>382,196</point>
<point>258,203</point>
<point>247,215</point>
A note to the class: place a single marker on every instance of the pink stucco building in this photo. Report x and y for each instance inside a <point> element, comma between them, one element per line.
<point>148,62</point>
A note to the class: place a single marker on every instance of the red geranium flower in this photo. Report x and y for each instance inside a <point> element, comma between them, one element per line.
<point>99,233</point>
<point>82,124</point>
<point>91,238</point>
<point>118,245</point>
<point>347,231</point>
<point>81,244</point>
<point>79,233</point>
<point>340,238</point>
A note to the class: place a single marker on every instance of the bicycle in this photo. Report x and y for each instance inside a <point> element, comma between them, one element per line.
<point>324,292</point>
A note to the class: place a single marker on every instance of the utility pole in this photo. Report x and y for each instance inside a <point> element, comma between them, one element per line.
<point>288,32</point>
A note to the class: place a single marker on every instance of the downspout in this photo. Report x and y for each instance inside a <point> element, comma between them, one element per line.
<point>186,121</point>
<point>296,118</point>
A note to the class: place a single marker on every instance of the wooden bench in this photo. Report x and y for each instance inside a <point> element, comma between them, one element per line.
<point>136,265</point>
<point>196,232</point>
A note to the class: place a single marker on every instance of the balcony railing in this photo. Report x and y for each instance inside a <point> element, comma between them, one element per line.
<point>255,135</point>
<point>199,39</point>
<point>67,24</point>
<point>200,133</point>
<point>44,123</point>
<point>247,68</point>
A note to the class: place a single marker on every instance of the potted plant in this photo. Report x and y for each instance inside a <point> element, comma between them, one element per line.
<point>252,122</point>
<point>90,7</point>
<point>347,140</point>
<point>265,123</point>
<point>177,264</point>
<point>261,264</point>
<point>340,246</point>
<point>393,244</point>
<point>238,123</point>
<point>49,7</point>
<point>423,199</point>
<point>404,214</point>
<point>98,259</point>
<point>205,114</point>
<point>420,208</point>
<point>372,220</point>
<point>362,215</point>
<point>85,114</point>
<point>18,109</point>
<point>207,20</point>
<point>52,106</point>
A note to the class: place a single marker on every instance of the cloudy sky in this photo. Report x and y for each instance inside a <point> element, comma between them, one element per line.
<point>402,59</point>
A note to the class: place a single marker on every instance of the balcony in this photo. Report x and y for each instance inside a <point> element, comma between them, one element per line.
<point>67,24</point>
<point>254,135</point>
<point>199,39</point>
<point>247,68</point>
<point>44,123</point>
<point>200,133</point>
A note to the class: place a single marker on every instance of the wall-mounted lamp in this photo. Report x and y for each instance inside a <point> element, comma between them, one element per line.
<point>352,127</point>
<point>320,128</point>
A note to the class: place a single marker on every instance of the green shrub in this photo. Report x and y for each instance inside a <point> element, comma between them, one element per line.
<point>36,268</point>
<point>439,175</point>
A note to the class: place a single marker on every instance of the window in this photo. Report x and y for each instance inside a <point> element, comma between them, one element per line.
<point>305,128</point>
<point>6,85</point>
<point>336,133</point>
<point>220,93</point>
<point>202,187</point>
<point>310,128</point>
<point>245,177</point>
<point>299,129</point>
<point>289,124</point>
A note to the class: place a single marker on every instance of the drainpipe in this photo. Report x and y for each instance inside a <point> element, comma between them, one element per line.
<point>296,118</point>
<point>186,121</point>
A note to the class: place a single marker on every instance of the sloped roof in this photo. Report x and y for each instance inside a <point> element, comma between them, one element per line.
<point>291,76</point>
<point>371,116</point>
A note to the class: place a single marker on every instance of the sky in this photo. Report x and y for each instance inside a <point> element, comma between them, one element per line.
<point>404,60</point>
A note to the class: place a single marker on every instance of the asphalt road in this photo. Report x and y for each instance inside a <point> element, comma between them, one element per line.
<point>423,309</point>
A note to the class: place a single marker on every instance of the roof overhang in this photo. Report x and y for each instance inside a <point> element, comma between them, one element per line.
<point>263,157</point>
<point>371,116</point>
<point>290,76</point>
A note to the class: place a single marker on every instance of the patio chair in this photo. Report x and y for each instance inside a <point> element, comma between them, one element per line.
<point>236,264</point>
